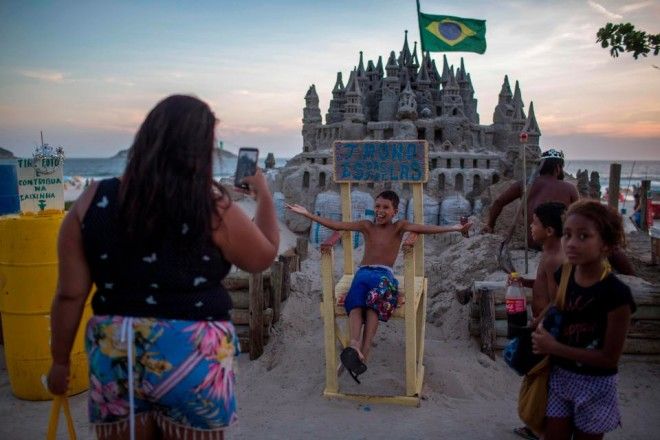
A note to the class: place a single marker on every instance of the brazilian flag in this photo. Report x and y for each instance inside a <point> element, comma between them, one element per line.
<point>444,33</point>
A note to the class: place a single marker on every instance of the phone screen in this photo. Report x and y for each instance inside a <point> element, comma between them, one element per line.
<point>246,165</point>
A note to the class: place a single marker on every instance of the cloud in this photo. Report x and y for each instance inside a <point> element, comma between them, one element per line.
<point>601,9</point>
<point>43,75</point>
<point>635,6</point>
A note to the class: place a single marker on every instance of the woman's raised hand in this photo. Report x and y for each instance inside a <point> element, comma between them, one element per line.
<point>257,183</point>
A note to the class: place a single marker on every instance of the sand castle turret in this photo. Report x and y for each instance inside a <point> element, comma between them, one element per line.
<point>405,97</point>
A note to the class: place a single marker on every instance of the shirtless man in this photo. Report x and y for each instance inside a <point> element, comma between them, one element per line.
<point>549,186</point>
<point>373,294</point>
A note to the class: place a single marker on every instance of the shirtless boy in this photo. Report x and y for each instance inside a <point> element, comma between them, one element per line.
<point>546,229</point>
<point>374,291</point>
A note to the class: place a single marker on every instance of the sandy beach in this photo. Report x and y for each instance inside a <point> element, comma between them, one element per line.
<point>465,393</point>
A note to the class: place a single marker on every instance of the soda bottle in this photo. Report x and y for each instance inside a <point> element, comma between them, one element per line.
<point>516,305</point>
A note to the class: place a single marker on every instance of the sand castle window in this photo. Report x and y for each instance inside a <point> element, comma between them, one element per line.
<point>389,132</point>
<point>311,159</point>
<point>421,133</point>
<point>441,182</point>
<point>488,163</point>
<point>306,179</point>
<point>322,180</point>
<point>476,183</point>
<point>306,149</point>
<point>462,163</point>
<point>448,163</point>
<point>438,135</point>
<point>325,161</point>
<point>458,183</point>
<point>474,163</point>
<point>454,112</point>
<point>496,178</point>
<point>434,164</point>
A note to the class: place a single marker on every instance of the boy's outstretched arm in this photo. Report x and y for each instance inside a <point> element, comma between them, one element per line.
<point>434,229</point>
<point>328,223</point>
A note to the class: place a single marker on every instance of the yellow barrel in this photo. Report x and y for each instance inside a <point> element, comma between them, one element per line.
<point>28,278</point>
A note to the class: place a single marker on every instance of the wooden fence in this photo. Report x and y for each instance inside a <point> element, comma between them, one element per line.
<point>488,319</point>
<point>258,297</point>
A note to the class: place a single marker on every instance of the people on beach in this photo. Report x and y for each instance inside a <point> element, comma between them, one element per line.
<point>373,294</point>
<point>582,395</point>
<point>547,229</point>
<point>157,243</point>
<point>549,186</point>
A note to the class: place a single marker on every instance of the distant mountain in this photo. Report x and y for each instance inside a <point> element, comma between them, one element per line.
<point>6,154</point>
<point>222,154</point>
<point>122,154</point>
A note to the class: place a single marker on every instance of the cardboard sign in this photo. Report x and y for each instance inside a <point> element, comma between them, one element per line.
<point>381,161</point>
<point>40,184</point>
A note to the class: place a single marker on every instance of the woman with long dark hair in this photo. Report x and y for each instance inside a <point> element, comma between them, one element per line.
<point>157,243</point>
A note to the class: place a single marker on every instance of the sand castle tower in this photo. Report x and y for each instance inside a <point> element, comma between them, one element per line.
<point>409,99</point>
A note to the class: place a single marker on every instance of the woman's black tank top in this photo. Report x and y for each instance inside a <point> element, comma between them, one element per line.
<point>162,281</point>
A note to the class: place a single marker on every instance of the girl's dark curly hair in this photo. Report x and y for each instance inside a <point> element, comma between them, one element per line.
<point>607,220</point>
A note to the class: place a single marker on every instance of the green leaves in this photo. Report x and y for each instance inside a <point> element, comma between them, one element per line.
<point>623,37</point>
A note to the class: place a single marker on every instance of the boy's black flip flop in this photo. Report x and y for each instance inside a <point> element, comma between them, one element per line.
<point>351,360</point>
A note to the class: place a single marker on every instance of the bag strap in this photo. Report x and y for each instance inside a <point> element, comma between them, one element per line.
<point>560,299</point>
<point>60,402</point>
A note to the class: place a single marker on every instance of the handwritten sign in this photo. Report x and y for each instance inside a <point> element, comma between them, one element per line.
<point>40,184</point>
<point>381,161</point>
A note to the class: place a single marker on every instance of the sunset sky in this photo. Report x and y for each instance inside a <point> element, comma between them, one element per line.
<point>86,73</point>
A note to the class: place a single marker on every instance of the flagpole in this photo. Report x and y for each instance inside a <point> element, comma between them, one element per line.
<point>419,24</point>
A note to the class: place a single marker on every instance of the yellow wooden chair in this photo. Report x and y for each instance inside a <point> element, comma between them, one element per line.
<point>412,289</point>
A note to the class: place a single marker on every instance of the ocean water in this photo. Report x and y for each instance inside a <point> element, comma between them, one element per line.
<point>102,168</point>
<point>632,172</point>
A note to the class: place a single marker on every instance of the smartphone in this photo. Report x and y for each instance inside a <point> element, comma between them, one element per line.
<point>246,165</point>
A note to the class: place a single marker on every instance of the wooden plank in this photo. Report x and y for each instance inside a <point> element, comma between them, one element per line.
<point>241,280</point>
<point>242,316</point>
<point>346,215</point>
<point>474,326</point>
<point>240,299</point>
<point>276,290</point>
<point>641,346</point>
<point>287,262</point>
<point>613,189</point>
<point>302,245</point>
<point>328,315</point>
<point>487,322</point>
<point>410,322</point>
<point>418,200</point>
<point>245,342</point>
<point>644,329</point>
<point>256,316</point>
<point>391,400</point>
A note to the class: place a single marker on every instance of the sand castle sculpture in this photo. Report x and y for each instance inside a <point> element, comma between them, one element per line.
<point>409,99</point>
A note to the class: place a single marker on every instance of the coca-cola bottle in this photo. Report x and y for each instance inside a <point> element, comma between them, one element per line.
<point>516,306</point>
